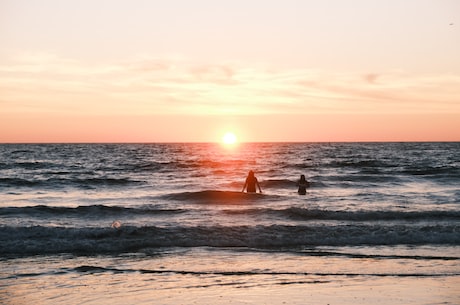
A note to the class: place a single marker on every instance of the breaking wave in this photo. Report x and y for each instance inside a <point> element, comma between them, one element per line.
<point>38,240</point>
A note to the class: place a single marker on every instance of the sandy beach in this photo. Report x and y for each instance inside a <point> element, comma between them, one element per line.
<point>216,277</point>
<point>150,289</point>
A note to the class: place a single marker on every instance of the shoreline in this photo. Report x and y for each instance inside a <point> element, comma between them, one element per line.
<point>148,289</point>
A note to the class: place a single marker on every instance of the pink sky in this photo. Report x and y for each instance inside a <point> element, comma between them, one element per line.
<point>118,71</point>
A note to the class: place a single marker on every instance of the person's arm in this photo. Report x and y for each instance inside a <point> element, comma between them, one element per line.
<point>245,184</point>
<point>258,185</point>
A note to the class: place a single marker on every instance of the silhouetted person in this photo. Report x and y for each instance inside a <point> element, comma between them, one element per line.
<point>250,184</point>
<point>303,184</point>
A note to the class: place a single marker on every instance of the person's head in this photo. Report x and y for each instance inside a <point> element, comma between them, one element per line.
<point>302,177</point>
<point>251,173</point>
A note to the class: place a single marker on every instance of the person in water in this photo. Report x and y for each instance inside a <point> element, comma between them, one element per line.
<point>303,184</point>
<point>251,182</point>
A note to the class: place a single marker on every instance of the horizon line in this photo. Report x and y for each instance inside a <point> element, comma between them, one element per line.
<point>236,144</point>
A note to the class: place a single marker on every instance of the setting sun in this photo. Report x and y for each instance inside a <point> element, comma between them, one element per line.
<point>229,138</point>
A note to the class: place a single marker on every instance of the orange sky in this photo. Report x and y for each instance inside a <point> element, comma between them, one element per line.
<point>118,71</point>
<point>268,128</point>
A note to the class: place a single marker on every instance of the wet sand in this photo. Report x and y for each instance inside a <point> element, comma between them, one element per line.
<point>168,288</point>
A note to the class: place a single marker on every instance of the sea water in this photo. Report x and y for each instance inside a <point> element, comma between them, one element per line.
<point>100,223</point>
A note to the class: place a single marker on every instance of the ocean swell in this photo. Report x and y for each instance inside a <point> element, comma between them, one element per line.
<point>216,196</point>
<point>38,240</point>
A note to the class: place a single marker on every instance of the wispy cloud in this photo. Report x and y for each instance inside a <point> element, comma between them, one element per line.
<point>48,83</point>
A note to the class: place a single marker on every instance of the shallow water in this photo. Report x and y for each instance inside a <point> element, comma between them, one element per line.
<point>126,220</point>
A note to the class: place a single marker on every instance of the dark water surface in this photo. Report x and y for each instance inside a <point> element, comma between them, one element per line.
<point>395,204</point>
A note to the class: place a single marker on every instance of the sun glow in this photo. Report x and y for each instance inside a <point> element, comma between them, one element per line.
<point>229,138</point>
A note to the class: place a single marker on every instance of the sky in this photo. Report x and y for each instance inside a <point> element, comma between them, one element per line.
<point>189,71</point>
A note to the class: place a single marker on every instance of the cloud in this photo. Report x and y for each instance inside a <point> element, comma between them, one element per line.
<point>48,83</point>
<point>371,78</point>
<point>391,92</point>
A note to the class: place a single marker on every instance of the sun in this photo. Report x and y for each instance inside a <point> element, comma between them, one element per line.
<point>229,138</point>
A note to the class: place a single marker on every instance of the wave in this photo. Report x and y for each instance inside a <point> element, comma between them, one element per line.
<point>223,197</point>
<point>41,240</point>
<point>383,171</point>
<point>23,165</point>
<point>18,182</point>
<point>305,214</point>
<point>91,269</point>
<point>176,165</point>
<point>279,183</point>
<point>432,171</point>
<point>150,166</point>
<point>85,211</point>
<point>318,214</point>
<point>65,182</point>
<point>363,178</point>
<point>127,165</point>
<point>373,163</point>
<point>214,196</point>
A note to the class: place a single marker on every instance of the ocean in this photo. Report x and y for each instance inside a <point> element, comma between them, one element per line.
<point>168,223</point>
